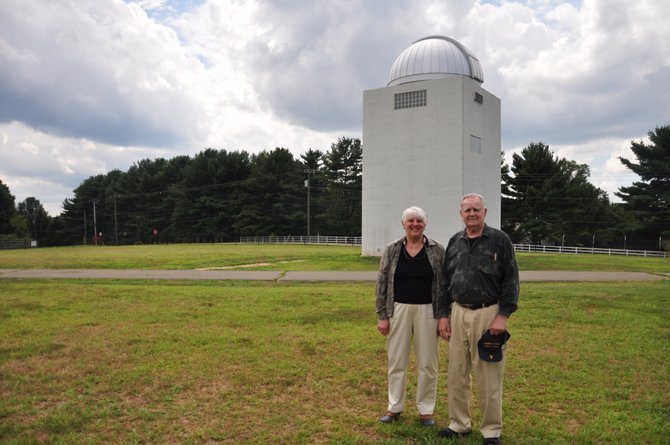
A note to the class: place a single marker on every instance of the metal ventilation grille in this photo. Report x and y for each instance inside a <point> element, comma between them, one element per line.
<point>410,99</point>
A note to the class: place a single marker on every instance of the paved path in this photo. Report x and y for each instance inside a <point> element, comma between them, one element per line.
<point>128,274</point>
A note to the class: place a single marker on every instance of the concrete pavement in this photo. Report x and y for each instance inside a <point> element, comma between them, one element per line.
<point>136,274</point>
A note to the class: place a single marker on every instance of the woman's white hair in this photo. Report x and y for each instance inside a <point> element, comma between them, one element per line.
<point>413,212</point>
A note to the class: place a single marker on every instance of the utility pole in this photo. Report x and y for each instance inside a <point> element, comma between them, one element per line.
<point>116,231</point>
<point>95,226</point>
<point>307,184</point>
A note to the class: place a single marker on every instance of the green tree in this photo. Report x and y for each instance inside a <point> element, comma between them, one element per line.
<point>551,200</point>
<point>82,213</point>
<point>7,209</point>
<point>275,202</point>
<point>648,200</point>
<point>129,206</point>
<point>54,232</point>
<point>314,171</point>
<point>209,199</point>
<point>37,218</point>
<point>143,199</point>
<point>343,168</point>
<point>218,196</point>
<point>20,226</point>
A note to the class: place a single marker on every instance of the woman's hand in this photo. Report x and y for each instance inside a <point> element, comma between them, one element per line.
<point>444,328</point>
<point>384,326</point>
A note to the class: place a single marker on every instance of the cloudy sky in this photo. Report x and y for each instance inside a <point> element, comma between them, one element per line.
<point>87,86</point>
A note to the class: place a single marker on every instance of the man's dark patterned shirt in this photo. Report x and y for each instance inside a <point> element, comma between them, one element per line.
<point>482,273</point>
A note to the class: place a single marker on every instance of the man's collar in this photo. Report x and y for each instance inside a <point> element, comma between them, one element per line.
<point>485,232</point>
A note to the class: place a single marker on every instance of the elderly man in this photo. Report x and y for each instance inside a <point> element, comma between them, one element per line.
<point>479,292</point>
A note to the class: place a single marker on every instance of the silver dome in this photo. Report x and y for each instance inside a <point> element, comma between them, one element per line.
<point>434,57</point>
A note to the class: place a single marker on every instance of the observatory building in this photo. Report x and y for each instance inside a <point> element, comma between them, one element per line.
<point>429,137</point>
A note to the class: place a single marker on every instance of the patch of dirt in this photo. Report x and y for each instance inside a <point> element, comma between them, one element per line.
<point>239,266</point>
<point>243,266</point>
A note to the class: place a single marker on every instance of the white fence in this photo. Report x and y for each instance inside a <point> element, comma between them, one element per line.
<point>318,239</point>
<point>588,250</point>
<point>17,244</point>
<point>356,241</point>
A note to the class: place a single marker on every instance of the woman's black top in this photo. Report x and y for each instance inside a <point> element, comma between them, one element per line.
<point>413,278</point>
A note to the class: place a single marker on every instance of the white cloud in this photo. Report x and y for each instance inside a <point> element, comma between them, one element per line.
<point>602,155</point>
<point>93,85</point>
<point>596,72</point>
<point>96,69</point>
<point>49,168</point>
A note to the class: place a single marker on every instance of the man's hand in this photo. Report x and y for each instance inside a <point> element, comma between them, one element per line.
<point>384,326</point>
<point>444,328</point>
<point>498,325</point>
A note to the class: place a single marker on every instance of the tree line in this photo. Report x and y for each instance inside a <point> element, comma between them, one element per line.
<point>214,196</point>
<point>220,195</point>
<point>550,200</point>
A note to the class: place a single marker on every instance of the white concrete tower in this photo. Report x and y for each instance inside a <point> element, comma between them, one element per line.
<point>431,136</point>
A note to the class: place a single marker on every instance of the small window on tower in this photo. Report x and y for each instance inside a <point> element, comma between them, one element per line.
<point>475,144</point>
<point>479,98</point>
<point>410,99</point>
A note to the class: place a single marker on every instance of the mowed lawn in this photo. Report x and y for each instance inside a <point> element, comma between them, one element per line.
<point>280,257</point>
<point>114,361</point>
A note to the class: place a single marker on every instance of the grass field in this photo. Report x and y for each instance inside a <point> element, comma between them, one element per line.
<point>156,362</point>
<point>283,257</point>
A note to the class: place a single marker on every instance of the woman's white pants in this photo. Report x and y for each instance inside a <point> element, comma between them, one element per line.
<point>413,322</point>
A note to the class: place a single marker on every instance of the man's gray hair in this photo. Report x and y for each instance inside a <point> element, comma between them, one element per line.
<point>413,211</point>
<point>474,195</point>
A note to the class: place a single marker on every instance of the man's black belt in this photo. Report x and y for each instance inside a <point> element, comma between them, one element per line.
<point>478,305</point>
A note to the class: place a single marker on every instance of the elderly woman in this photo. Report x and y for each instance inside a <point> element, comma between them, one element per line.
<point>407,289</point>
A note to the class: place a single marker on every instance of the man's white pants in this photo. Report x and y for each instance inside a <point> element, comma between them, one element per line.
<point>467,327</point>
<point>413,321</point>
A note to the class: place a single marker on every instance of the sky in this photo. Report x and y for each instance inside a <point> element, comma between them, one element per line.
<point>89,86</point>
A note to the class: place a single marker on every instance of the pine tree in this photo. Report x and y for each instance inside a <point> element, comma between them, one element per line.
<point>648,199</point>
